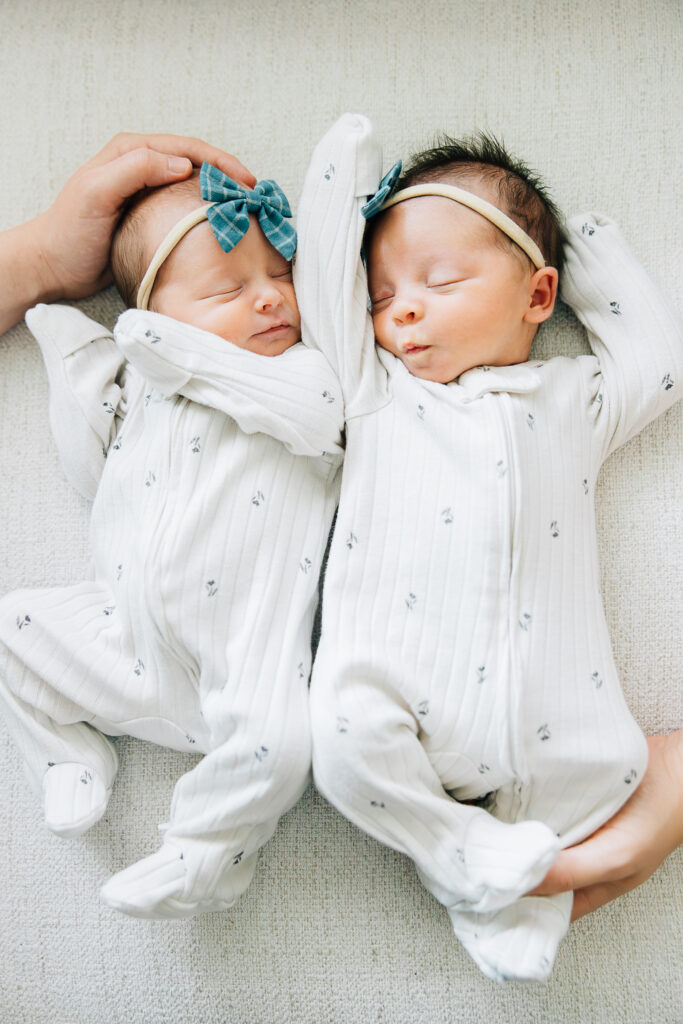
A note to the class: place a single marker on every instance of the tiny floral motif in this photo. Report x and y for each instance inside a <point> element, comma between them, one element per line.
<point>667,382</point>
<point>501,469</point>
<point>301,669</point>
<point>119,571</point>
<point>410,601</point>
<point>108,407</point>
<point>423,708</point>
<point>531,421</point>
<point>211,588</point>
<point>554,529</point>
<point>25,621</point>
<point>329,397</point>
<point>261,753</point>
<point>148,398</point>
<point>329,173</point>
<point>483,768</point>
<point>110,609</point>
<point>543,732</point>
<point>486,369</point>
<point>587,229</point>
<point>420,412</point>
<point>153,338</point>
<point>151,479</point>
<point>258,498</point>
<point>597,679</point>
<point>481,673</point>
<point>630,776</point>
<point>237,858</point>
<point>447,515</point>
<point>351,541</point>
<point>584,484</point>
<point>86,777</point>
<point>598,398</point>
<point>376,803</point>
<point>305,565</point>
<point>460,854</point>
<point>139,667</point>
<point>195,444</point>
<point>117,443</point>
<point>342,724</point>
<point>525,621</point>
<point>615,308</point>
<point>190,739</point>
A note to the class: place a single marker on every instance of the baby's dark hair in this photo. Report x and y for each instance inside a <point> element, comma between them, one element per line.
<point>520,191</point>
<point>131,251</point>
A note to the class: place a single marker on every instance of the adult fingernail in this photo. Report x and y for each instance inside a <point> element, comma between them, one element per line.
<point>179,164</point>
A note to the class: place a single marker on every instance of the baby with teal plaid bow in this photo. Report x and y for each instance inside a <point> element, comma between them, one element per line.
<point>210,439</point>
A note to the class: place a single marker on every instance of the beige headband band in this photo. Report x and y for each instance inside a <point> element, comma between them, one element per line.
<point>169,243</point>
<point>486,209</point>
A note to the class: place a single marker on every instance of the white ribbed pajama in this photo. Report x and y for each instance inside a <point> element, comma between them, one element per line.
<point>464,648</point>
<point>210,520</point>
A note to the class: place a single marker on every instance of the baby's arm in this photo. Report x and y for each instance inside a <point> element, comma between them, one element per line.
<point>86,375</point>
<point>329,275</point>
<point>293,397</point>
<point>631,328</point>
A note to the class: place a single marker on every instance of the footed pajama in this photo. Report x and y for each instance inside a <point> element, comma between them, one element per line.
<point>465,704</point>
<point>216,478</point>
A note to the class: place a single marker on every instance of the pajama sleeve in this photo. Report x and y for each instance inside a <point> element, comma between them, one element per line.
<point>632,330</point>
<point>86,374</point>
<point>293,397</point>
<point>329,276</point>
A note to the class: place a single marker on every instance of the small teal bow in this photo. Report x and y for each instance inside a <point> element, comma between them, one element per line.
<point>229,218</point>
<point>386,187</point>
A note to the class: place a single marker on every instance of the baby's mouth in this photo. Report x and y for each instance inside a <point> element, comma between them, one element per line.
<point>281,325</point>
<point>412,349</point>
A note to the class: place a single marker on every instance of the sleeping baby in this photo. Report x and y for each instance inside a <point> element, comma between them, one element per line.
<point>465,704</point>
<point>209,437</point>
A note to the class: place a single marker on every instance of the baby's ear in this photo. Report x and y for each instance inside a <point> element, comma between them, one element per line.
<point>542,295</point>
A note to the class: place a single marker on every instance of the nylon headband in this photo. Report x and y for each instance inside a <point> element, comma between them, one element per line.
<point>164,250</point>
<point>479,205</point>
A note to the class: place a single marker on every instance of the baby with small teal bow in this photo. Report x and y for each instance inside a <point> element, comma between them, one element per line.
<point>210,439</point>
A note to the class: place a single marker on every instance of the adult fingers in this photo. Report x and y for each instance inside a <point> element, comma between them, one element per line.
<point>601,860</point>
<point>195,150</point>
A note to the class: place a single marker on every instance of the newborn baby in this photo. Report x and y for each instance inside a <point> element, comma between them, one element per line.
<point>210,439</point>
<point>466,709</point>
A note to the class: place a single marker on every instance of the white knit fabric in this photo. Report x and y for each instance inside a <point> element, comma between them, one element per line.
<point>336,926</point>
<point>208,529</point>
<point>464,648</point>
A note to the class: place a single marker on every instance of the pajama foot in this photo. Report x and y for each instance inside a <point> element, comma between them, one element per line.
<point>155,888</point>
<point>518,943</point>
<point>74,798</point>
<point>506,860</point>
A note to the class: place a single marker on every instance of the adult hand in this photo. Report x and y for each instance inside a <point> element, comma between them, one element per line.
<point>64,252</point>
<point>632,845</point>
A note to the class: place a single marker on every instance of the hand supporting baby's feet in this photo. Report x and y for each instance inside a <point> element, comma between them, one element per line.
<point>156,887</point>
<point>74,798</point>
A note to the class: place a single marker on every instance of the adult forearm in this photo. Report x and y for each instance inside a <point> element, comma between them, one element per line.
<point>25,275</point>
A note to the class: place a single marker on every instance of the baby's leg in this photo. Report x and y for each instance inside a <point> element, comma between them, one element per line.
<point>68,763</point>
<point>369,762</point>
<point>575,789</point>
<point>228,806</point>
<point>518,942</point>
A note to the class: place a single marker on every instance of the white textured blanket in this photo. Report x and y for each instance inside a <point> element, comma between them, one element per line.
<point>336,928</point>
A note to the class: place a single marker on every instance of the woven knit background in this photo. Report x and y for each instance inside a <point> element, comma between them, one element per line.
<point>335,928</point>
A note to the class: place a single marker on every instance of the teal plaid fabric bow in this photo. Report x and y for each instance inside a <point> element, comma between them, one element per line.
<point>386,187</point>
<point>229,219</point>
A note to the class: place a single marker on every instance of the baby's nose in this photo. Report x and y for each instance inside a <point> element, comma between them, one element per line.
<point>268,297</point>
<point>407,311</point>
